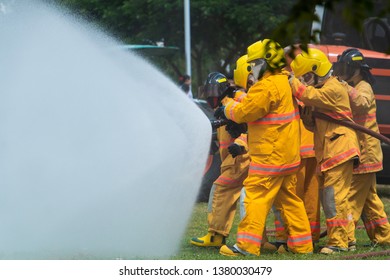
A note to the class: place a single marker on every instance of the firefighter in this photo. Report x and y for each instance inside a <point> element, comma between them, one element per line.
<point>336,146</point>
<point>362,197</point>
<point>225,191</point>
<point>272,116</point>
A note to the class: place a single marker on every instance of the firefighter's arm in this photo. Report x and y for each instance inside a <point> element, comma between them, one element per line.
<point>236,96</point>
<point>360,99</point>
<point>239,95</point>
<point>325,97</point>
<point>255,105</point>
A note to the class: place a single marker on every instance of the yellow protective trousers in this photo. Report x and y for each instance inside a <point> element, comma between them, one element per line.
<point>365,203</point>
<point>335,184</point>
<point>242,214</point>
<point>308,190</point>
<point>222,207</point>
<point>257,203</point>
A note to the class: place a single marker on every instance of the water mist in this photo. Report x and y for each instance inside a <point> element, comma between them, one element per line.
<point>101,155</point>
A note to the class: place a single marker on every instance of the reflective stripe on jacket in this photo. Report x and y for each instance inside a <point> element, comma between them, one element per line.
<point>272,116</point>
<point>307,142</point>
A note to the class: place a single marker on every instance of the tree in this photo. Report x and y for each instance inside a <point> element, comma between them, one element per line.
<point>294,28</point>
<point>221,30</point>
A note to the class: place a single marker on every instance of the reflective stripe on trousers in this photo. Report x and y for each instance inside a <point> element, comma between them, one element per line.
<point>258,201</point>
<point>334,187</point>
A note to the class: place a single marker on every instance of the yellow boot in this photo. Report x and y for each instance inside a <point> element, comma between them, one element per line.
<point>209,240</point>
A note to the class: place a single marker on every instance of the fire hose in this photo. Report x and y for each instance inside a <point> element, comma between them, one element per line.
<point>352,125</point>
<point>366,255</point>
<point>355,126</point>
<point>218,123</point>
<point>322,116</point>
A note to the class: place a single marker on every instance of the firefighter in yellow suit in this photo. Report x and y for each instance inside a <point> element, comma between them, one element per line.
<point>336,146</point>
<point>307,189</point>
<point>226,190</point>
<point>272,116</point>
<point>363,198</point>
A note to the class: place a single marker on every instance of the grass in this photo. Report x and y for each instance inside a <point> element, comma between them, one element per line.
<point>197,226</point>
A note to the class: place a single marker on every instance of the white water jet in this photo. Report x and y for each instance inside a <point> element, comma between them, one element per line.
<point>101,155</point>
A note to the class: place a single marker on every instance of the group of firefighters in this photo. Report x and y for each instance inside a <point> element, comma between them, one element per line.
<point>278,153</point>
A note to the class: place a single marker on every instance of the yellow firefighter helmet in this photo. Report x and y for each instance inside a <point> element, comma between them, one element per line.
<point>313,60</point>
<point>268,50</point>
<point>242,71</point>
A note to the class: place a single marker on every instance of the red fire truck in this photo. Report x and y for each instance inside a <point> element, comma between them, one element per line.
<point>373,42</point>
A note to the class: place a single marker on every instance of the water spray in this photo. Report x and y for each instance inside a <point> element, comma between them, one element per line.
<point>96,161</point>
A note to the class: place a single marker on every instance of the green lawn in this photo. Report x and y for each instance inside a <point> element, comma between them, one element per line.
<point>197,226</point>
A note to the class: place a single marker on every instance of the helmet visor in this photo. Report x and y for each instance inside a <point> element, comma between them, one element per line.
<point>343,70</point>
<point>212,94</point>
<point>308,78</point>
<point>211,90</point>
<point>339,69</point>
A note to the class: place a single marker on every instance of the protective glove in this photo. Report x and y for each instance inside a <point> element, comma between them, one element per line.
<point>220,113</point>
<point>294,84</point>
<point>236,150</point>
<point>235,129</point>
<point>230,92</point>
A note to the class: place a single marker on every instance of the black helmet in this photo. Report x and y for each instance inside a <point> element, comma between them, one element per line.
<point>214,88</point>
<point>347,64</point>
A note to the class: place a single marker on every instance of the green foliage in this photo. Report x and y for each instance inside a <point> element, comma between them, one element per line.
<point>294,29</point>
<point>221,30</point>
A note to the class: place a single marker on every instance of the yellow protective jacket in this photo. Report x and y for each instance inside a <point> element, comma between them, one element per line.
<point>364,113</point>
<point>232,169</point>
<point>333,143</point>
<point>272,116</point>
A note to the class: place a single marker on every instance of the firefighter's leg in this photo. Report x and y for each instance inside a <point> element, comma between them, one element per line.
<point>223,208</point>
<point>258,201</point>
<point>334,197</point>
<point>374,216</point>
<point>221,211</point>
<point>311,195</point>
<point>356,197</point>
<point>294,215</point>
<point>265,244</point>
<point>280,229</point>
